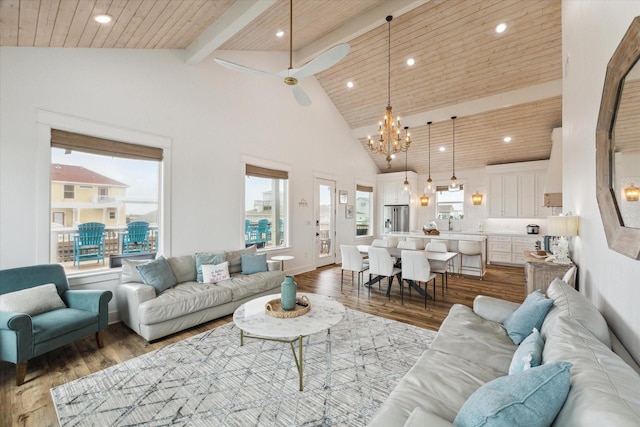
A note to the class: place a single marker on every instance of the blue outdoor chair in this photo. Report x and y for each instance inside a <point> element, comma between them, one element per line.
<point>88,244</point>
<point>136,238</point>
<point>264,231</point>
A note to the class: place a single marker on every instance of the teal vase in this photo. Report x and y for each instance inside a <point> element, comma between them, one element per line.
<point>288,294</point>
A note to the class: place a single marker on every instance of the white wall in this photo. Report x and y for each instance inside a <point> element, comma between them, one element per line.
<point>211,116</point>
<point>591,31</point>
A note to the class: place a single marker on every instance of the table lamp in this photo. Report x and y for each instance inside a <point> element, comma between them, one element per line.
<point>562,226</point>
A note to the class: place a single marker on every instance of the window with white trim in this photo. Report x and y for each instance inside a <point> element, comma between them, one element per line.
<point>266,207</point>
<point>364,215</point>
<point>449,204</point>
<point>104,181</point>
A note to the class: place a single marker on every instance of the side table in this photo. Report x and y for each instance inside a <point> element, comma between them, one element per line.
<point>282,259</point>
<point>540,273</point>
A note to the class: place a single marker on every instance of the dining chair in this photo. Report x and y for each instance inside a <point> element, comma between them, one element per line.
<point>392,241</point>
<point>416,267</point>
<point>447,244</point>
<point>381,265</point>
<point>439,267</point>
<point>352,260</point>
<point>404,244</point>
<point>470,248</point>
<point>419,241</point>
<point>381,243</point>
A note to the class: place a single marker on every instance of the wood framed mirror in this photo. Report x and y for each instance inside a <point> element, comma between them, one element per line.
<point>618,143</point>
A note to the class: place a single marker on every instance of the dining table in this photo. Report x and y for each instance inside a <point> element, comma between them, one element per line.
<point>397,253</point>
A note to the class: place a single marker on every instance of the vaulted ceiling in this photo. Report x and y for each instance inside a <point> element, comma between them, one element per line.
<point>498,85</point>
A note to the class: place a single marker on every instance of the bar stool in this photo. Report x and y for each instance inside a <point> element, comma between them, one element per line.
<point>470,248</point>
<point>448,247</point>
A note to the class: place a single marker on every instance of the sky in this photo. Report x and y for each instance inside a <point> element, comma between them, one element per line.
<point>141,176</point>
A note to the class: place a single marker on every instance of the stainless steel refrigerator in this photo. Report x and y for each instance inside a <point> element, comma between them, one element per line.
<point>396,218</point>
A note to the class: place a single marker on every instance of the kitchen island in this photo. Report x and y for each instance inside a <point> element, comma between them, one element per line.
<point>453,238</point>
<point>497,247</point>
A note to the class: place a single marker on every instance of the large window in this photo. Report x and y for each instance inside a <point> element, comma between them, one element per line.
<point>450,204</point>
<point>266,206</point>
<point>112,183</point>
<point>364,195</point>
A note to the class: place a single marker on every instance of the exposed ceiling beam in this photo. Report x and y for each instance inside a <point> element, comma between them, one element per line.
<point>238,16</point>
<point>356,27</point>
<point>481,105</point>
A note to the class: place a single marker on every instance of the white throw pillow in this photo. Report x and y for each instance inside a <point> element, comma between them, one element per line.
<point>214,273</point>
<point>130,273</point>
<point>32,301</point>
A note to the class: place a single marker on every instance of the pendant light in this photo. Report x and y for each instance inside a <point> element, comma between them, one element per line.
<point>428,185</point>
<point>453,185</point>
<point>405,185</point>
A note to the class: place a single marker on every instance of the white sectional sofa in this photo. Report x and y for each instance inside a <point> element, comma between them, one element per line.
<point>473,348</point>
<point>154,315</point>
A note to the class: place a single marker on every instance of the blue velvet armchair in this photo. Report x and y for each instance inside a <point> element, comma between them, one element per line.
<point>23,337</point>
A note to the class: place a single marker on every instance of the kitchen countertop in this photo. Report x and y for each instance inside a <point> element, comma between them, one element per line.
<point>452,235</point>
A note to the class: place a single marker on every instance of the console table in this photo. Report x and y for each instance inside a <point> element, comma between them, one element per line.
<point>540,273</point>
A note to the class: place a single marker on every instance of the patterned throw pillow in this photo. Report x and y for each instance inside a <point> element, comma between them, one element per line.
<point>203,258</point>
<point>214,273</point>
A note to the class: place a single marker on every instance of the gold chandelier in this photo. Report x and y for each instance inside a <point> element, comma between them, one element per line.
<point>390,141</point>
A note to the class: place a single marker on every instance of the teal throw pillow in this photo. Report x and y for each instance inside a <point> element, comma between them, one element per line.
<point>253,263</point>
<point>205,258</point>
<point>528,354</point>
<point>530,398</point>
<point>158,274</point>
<point>529,315</point>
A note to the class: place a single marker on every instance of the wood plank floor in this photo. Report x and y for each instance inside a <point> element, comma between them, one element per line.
<point>31,405</point>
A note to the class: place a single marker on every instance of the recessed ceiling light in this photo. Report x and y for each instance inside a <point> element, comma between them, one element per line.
<point>501,27</point>
<point>102,19</point>
<point>442,149</point>
<point>280,34</point>
<point>507,139</point>
<point>410,62</point>
<point>349,85</point>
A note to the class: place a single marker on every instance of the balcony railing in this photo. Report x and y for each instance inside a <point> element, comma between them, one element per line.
<point>62,242</point>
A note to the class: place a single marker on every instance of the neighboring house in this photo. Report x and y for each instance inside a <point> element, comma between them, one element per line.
<point>81,195</point>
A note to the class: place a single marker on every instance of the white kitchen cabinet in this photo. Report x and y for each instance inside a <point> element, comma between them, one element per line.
<point>509,249</point>
<point>499,250</point>
<point>542,211</point>
<point>503,196</point>
<point>521,244</point>
<point>517,190</point>
<point>393,193</point>
<point>527,195</point>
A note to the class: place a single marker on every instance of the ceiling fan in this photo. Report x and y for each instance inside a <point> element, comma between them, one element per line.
<point>291,75</point>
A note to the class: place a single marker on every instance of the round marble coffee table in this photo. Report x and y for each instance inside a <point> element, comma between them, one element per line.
<point>251,318</point>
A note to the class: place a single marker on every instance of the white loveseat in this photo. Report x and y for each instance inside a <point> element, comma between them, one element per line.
<point>189,303</point>
<point>472,348</point>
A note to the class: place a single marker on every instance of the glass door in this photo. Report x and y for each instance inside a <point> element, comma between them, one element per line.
<point>325,222</point>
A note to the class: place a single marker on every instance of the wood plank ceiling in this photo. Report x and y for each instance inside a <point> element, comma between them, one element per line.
<point>498,85</point>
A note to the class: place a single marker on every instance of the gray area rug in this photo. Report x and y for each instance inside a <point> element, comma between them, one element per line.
<point>210,380</point>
